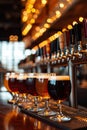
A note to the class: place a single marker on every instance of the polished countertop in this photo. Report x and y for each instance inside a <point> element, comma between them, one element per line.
<point>14,118</point>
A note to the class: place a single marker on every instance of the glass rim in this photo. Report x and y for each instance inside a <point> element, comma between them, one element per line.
<point>59,77</point>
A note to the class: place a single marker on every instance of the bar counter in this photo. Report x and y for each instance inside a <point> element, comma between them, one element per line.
<point>14,118</point>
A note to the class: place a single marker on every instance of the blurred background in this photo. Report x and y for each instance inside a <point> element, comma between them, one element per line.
<point>25,23</point>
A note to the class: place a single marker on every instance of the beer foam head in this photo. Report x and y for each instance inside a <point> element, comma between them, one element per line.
<point>12,75</point>
<point>21,76</point>
<point>59,77</point>
<point>44,75</point>
<point>31,75</point>
<point>7,74</point>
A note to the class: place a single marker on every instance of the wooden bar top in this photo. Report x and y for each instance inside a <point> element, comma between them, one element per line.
<point>14,118</point>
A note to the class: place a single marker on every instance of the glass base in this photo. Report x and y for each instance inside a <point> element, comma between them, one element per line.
<point>47,112</point>
<point>12,101</point>
<point>25,105</point>
<point>35,109</point>
<point>60,118</point>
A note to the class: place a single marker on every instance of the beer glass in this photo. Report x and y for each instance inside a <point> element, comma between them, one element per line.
<point>42,91</point>
<point>20,84</point>
<point>6,78</point>
<point>59,88</point>
<point>31,91</point>
<point>12,82</point>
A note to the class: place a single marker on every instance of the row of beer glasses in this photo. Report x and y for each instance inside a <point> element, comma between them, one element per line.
<point>16,83</point>
<point>10,84</point>
<point>47,86</point>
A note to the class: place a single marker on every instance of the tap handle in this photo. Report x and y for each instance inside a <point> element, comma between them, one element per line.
<point>85,27</point>
<point>61,42</point>
<point>72,36</point>
<point>78,31</point>
<point>66,38</point>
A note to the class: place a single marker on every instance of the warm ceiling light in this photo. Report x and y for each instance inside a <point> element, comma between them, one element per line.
<point>13,38</point>
<point>58,13</point>
<point>37,35</point>
<point>69,27</point>
<point>27,28</point>
<point>74,22</point>
<point>32,21</point>
<point>37,28</point>
<point>46,25</point>
<point>33,10</point>
<point>51,38</point>
<point>49,20</point>
<point>44,2</point>
<point>81,19</point>
<point>29,6</point>
<point>24,12</point>
<point>64,29</point>
<point>42,30</point>
<point>24,18</point>
<point>59,33</point>
<point>43,43</point>
<point>68,0</point>
<point>61,5</point>
<point>56,35</point>
<point>35,48</point>
<point>53,18</point>
<point>16,37</point>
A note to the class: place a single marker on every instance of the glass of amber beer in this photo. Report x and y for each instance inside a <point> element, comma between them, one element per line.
<point>20,84</point>
<point>6,78</point>
<point>59,88</point>
<point>42,91</point>
<point>31,91</point>
<point>12,81</point>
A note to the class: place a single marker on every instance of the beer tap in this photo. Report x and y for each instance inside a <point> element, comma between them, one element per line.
<point>62,45</point>
<point>41,53</point>
<point>73,53</point>
<point>48,52</point>
<point>55,51</point>
<point>84,35</point>
<point>52,51</point>
<point>44,54</point>
<point>58,51</point>
<point>38,56</point>
<point>56,48</point>
<point>38,60</point>
<point>78,36</point>
<point>66,34</point>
